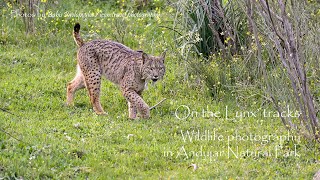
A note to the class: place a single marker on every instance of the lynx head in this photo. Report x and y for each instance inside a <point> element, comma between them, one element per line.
<point>153,67</point>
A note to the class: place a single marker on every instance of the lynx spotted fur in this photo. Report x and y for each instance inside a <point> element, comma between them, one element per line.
<point>123,66</point>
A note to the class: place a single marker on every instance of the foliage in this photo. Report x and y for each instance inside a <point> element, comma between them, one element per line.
<point>214,37</point>
<point>283,29</point>
<point>276,46</point>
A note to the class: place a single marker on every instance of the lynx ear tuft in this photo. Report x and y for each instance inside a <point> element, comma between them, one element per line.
<point>76,27</point>
<point>163,55</point>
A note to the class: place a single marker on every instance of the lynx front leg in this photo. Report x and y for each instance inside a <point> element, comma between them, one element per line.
<point>132,111</point>
<point>136,101</point>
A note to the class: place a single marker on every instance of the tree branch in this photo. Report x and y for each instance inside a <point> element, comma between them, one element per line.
<point>157,104</point>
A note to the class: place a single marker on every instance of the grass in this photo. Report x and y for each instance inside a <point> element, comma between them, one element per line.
<point>59,142</point>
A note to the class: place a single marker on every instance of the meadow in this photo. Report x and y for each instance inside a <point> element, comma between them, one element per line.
<point>189,136</point>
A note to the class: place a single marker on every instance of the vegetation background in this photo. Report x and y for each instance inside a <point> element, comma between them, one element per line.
<point>225,78</point>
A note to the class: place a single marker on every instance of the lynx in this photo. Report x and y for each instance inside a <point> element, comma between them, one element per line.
<point>129,69</point>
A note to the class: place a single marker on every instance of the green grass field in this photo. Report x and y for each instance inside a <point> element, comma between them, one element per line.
<point>41,138</point>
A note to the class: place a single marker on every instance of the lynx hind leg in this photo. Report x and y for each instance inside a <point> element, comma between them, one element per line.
<point>76,84</point>
<point>93,81</point>
<point>136,101</point>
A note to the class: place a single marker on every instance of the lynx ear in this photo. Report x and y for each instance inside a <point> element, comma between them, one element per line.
<point>144,56</point>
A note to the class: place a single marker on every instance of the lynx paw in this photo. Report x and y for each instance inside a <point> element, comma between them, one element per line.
<point>101,113</point>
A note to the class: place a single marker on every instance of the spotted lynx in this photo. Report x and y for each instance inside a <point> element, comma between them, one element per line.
<point>128,68</point>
